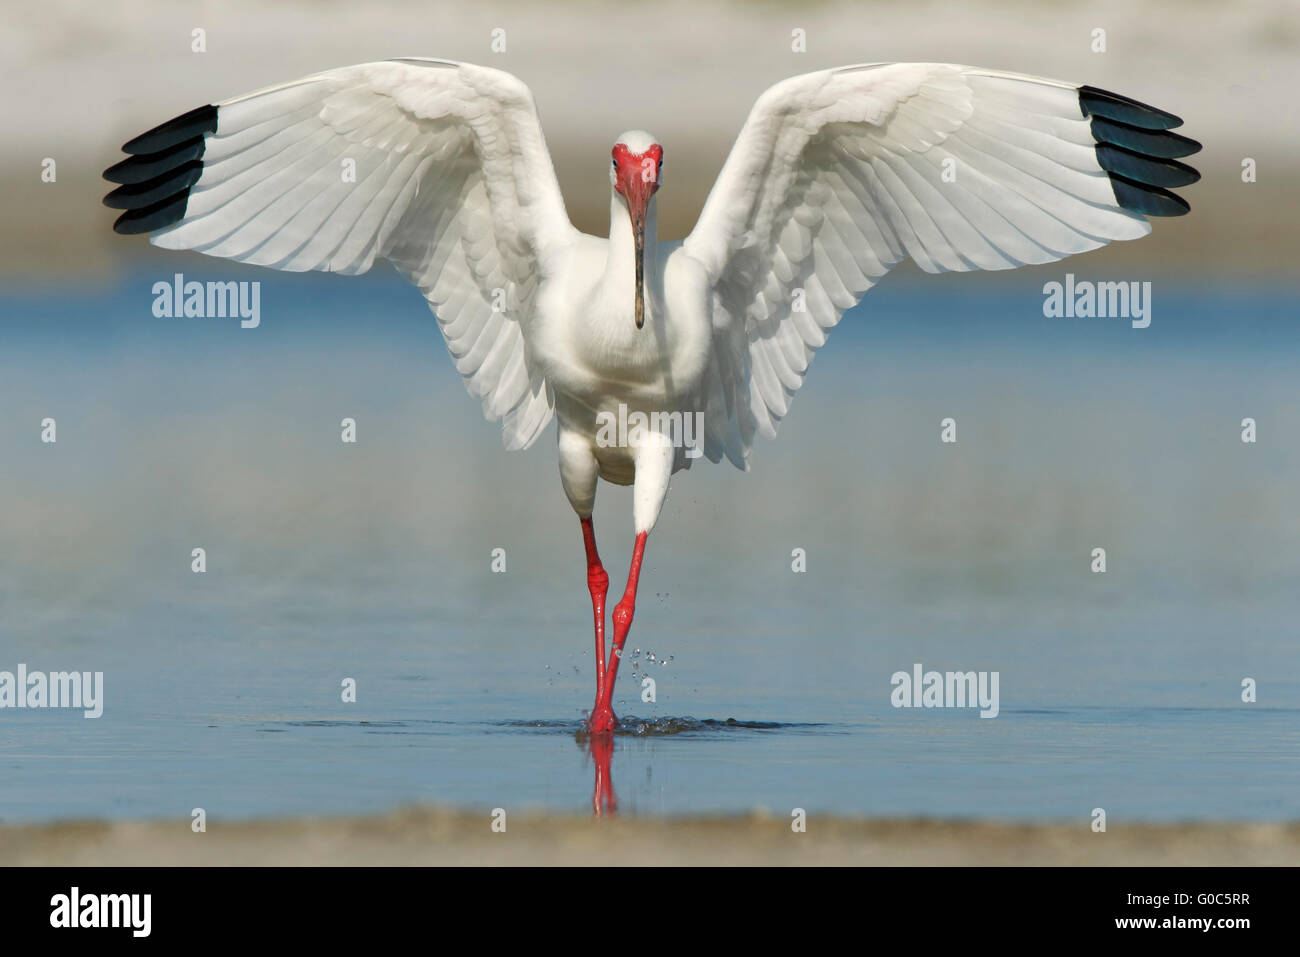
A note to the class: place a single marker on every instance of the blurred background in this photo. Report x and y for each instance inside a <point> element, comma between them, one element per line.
<point>372,561</point>
<point>90,75</point>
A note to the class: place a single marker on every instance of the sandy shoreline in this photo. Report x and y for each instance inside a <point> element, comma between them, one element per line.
<point>431,836</point>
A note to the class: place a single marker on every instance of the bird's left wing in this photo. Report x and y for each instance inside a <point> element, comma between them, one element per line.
<point>437,166</point>
<point>839,175</point>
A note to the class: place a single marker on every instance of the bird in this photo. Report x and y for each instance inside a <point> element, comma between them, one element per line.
<point>441,168</point>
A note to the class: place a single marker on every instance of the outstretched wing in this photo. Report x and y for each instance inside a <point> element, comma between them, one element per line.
<point>439,167</point>
<point>839,175</point>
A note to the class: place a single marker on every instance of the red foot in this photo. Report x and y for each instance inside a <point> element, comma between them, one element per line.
<point>602,719</point>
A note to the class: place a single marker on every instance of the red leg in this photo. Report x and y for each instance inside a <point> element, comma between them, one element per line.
<point>602,717</point>
<point>598,585</point>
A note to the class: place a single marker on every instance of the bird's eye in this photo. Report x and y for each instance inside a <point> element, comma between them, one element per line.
<point>614,163</point>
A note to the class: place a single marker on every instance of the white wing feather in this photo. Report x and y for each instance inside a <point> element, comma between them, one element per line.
<point>447,176</point>
<point>839,175</point>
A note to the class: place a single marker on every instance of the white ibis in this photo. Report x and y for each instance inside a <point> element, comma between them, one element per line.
<point>441,168</point>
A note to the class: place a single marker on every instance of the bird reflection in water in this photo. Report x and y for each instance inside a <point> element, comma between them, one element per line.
<point>604,803</point>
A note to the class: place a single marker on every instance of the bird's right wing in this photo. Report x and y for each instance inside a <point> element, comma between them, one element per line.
<point>439,167</point>
<point>839,175</point>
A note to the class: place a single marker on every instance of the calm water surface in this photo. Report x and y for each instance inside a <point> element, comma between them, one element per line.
<point>372,562</point>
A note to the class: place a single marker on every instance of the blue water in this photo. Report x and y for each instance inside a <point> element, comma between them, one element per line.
<point>372,562</point>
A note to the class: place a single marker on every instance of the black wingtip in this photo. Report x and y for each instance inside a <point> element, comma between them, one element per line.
<point>154,216</point>
<point>1151,170</point>
<point>184,127</point>
<point>1160,143</point>
<point>156,179</point>
<point>1146,199</point>
<point>171,183</point>
<point>1138,153</point>
<point>145,166</point>
<point>1097,102</point>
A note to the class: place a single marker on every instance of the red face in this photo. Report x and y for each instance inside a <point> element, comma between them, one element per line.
<point>636,175</point>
